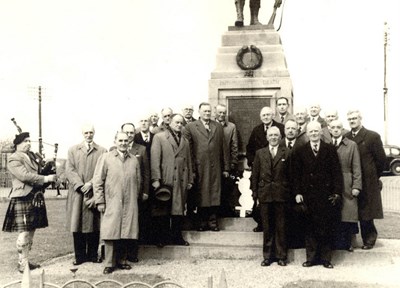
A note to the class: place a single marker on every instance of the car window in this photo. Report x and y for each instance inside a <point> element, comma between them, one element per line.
<point>395,151</point>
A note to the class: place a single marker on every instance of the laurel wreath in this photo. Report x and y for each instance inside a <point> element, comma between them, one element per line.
<point>249,49</point>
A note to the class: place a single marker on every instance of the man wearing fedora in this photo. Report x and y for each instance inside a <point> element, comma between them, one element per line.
<point>171,172</point>
<point>22,214</point>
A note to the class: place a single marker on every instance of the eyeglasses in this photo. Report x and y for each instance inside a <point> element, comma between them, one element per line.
<point>352,119</point>
<point>168,115</point>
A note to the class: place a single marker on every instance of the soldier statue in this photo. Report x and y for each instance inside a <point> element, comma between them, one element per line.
<point>254,8</point>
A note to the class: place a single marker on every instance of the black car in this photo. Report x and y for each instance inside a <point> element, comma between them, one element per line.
<point>392,159</point>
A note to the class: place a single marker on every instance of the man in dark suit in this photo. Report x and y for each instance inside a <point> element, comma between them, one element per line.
<point>206,138</point>
<point>318,183</point>
<point>166,114</point>
<point>270,188</point>
<point>187,113</point>
<point>257,138</point>
<point>300,115</point>
<point>330,116</point>
<point>228,200</point>
<point>282,106</point>
<point>144,137</point>
<point>315,111</point>
<point>373,159</point>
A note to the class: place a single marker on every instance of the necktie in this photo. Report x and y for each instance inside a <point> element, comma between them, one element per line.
<point>335,142</point>
<point>146,137</point>
<point>290,146</point>
<point>315,149</point>
<point>207,125</point>
<point>299,129</point>
<point>273,153</point>
<point>282,119</point>
<point>354,134</point>
<point>89,147</point>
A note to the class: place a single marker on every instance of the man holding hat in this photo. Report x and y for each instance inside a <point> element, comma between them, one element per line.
<point>171,166</point>
<point>26,211</point>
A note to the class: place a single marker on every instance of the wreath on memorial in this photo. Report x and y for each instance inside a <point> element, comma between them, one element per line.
<point>249,58</point>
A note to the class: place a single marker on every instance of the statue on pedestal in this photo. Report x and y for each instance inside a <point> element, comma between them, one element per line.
<point>254,8</point>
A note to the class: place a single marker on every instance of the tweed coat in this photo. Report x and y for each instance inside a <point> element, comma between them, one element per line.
<point>172,165</point>
<point>258,140</point>
<point>373,159</point>
<point>316,178</point>
<point>351,168</point>
<point>79,170</point>
<point>269,180</point>
<point>116,184</point>
<point>24,174</point>
<point>209,160</point>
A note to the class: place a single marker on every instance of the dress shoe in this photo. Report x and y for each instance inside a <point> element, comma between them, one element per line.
<point>327,264</point>
<point>350,249</point>
<point>160,244</point>
<point>133,259</point>
<point>32,266</point>
<point>181,242</point>
<point>214,229</point>
<point>308,264</point>
<point>282,262</point>
<point>258,229</point>
<point>201,229</point>
<point>266,262</point>
<point>96,260</point>
<point>124,266</point>
<point>367,247</point>
<point>108,270</point>
<point>78,262</point>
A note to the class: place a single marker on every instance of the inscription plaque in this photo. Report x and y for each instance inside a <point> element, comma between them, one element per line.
<point>245,113</point>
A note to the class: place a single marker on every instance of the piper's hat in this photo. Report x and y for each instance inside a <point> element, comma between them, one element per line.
<point>163,193</point>
<point>20,138</point>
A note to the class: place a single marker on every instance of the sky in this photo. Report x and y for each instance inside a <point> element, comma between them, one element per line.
<point>109,62</point>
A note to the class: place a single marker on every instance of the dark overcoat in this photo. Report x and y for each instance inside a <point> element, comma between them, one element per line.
<point>316,178</point>
<point>209,160</point>
<point>373,159</point>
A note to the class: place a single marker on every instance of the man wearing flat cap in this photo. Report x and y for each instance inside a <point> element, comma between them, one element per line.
<point>26,211</point>
<point>171,166</point>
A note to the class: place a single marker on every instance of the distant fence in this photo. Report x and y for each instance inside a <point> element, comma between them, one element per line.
<point>391,194</point>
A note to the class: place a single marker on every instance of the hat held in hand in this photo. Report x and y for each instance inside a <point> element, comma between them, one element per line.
<point>163,193</point>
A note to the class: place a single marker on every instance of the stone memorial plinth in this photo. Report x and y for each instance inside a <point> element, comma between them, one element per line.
<point>244,90</point>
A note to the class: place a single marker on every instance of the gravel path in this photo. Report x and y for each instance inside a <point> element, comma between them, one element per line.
<point>239,273</point>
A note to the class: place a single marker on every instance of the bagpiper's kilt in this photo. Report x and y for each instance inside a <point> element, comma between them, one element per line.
<point>22,215</point>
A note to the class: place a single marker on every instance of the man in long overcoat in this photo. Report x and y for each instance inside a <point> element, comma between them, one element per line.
<point>318,183</point>
<point>373,159</point>
<point>171,165</point>
<point>229,200</point>
<point>83,219</point>
<point>116,185</point>
<point>210,159</point>
<point>270,187</point>
<point>351,170</point>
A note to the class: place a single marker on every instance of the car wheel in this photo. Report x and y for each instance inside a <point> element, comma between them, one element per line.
<point>395,168</point>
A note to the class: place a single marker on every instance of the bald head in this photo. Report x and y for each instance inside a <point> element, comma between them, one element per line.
<point>266,115</point>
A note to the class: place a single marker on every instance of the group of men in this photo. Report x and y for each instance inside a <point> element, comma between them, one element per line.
<point>314,181</point>
<point>303,167</point>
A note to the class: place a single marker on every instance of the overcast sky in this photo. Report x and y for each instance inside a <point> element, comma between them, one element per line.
<point>108,62</point>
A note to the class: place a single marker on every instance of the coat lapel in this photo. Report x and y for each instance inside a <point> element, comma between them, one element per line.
<point>200,127</point>
<point>172,141</point>
<point>279,154</point>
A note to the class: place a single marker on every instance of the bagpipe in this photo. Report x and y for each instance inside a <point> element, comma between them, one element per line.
<point>45,168</point>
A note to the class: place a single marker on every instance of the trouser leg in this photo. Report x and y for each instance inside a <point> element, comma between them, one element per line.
<point>254,8</point>
<point>92,240</point>
<point>369,233</point>
<point>311,242</point>
<point>122,248</point>
<point>264,209</point>
<point>280,230</point>
<point>176,229</point>
<point>79,246</point>
<point>132,249</point>
<point>110,255</point>
<point>212,217</point>
<point>239,12</point>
